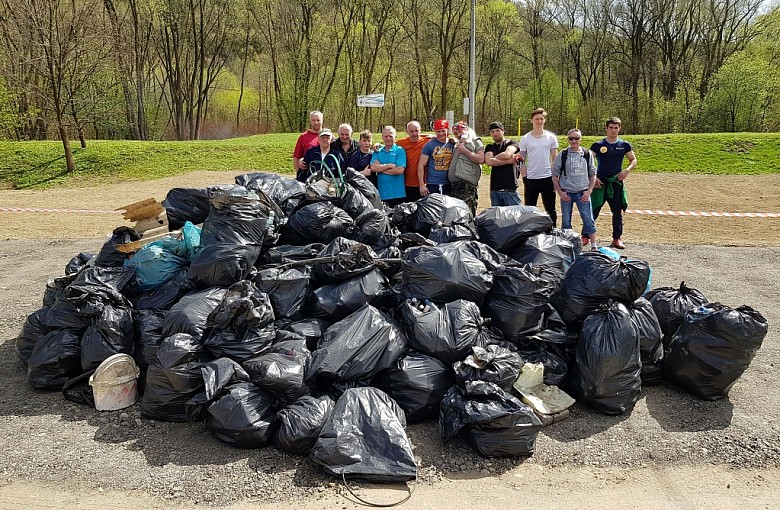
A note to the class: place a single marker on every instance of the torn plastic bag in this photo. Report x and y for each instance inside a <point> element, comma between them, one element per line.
<point>493,364</point>
<point>192,311</point>
<point>551,251</point>
<point>289,291</point>
<point>280,372</point>
<point>444,273</point>
<point>243,416</point>
<point>109,333</point>
<point>447,333</point>
<point>223,264</point>
<point>286,192</point>
<point>352,259</point>
<point>55,359</point>
<point>451,233</point>
<point>418,383</point>
<point>289,253</point>
<point>320,222</point>
<point>240,216</point>
<point>593,280</point>
<point>109,255</point>
<point>671,306</point>
<point>495,422</point>
<point>371,226</point>
<point>168,391</point>
<point>365,439</point>
<point>361,345</point>
<point>336,301</point>
<point>32,332</point>
<point>78,262</point>
<point>608,363</point>
<point>518,300</point>
<point>713,347</point>
<point>505,228</point>
<point>651,348</point>
<point>361,183</point>
<point>437,210</point>
<point>186,204</point>
<point>156,263</point>
<point>311,329</point>
<point>148,334</point>
<point>167,294</point>
<point>241,325</point>
<point>300,423</point>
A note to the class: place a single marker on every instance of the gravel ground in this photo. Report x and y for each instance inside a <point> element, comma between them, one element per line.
<point>47,439</point>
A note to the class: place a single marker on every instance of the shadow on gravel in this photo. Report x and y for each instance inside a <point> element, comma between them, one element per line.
<point>677,411</point>
<point>582,423</point>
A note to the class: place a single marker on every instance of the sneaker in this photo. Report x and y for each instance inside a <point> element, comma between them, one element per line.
<point>594,248</point>
<point>585,240</point>
<point>617,243</point>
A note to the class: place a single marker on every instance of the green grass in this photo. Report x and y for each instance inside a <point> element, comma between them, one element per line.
<point>30,165</point>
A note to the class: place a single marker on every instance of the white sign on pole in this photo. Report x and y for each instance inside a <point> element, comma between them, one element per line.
<point>466,106</point>
<point>371,101</point>
<point>450,116</point>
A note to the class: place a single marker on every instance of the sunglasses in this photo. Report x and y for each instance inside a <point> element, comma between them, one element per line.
<point>574,138</point>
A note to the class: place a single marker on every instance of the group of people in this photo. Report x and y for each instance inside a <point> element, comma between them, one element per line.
<point>451,164</point>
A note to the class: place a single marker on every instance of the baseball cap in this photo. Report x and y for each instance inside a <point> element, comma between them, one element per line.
<point>496,125</point>
<point>326,131</point>
<point>461,124</point>
<point>441,124</point>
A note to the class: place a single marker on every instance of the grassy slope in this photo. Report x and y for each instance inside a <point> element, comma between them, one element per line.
<point>41,164</point>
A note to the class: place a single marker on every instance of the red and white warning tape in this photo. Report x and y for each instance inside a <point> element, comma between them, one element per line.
<point>704,213</point>
<point>34,209</point>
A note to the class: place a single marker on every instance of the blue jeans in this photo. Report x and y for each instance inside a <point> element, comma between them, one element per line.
<point>586,213</point>
<point>498,198</point>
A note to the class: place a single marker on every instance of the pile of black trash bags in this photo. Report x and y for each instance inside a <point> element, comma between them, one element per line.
<point>309,317</point>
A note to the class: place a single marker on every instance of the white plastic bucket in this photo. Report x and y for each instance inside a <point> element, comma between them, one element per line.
<point>115,383</point>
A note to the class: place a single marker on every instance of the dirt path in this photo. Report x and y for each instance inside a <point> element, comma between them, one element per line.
<point>752,193</point>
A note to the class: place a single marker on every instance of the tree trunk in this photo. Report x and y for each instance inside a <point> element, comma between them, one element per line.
<point>69,161</point>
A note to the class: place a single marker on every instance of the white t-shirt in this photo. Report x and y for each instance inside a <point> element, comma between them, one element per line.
<point>537,159</point>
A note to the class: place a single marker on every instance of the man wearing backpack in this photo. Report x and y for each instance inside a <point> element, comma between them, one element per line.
<point>573,177</point>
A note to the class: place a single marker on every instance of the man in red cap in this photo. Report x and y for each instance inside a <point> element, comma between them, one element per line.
<point>435,159</point>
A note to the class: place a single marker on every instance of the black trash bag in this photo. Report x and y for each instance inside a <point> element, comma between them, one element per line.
<point>495,422</point>
<point>244,416</point>
<point>32,332</point>
<point>109,255</point>
<point>148,336</point>
<point>289,253</point>
<point>672,305</point>
<point>280,372</point>
<point>447,333</point>
<point>437,210</point>
<point>78,262</point>
<point>167,392</point>
<point>241,326</point>
<point>289,291</point>
<point>556,349</point>
<point>359,346</point>
<point>311,329</point>
<point>388,246</point>
<point>570,235</point>
<point>593,280</point>
<point>452,233</point>
<point>55,289</point>
<point>110,333</point>
<point>402,217</point>
<point>336,301</point>
<point>300,423</point>
<point>364,439</point>
<point>286,192</point>
<point>192,311</point>
<point>353,259</point>
<point>444,273</point>
<point>353,202</point>
<point>547,250</point>
<point>167,294</point>
<point>361,183</point>
<point>505,228</point>
<point>493,363</point>
<point>217,376</point>
<point>240,216</point>
<point>418,383</point>
<point>489,256</point>
<point>713,347</point>
<point>186,204</point>
<point>320,222</point>
<point>55,359</point>
<point>651,348</point>
<point>178,349</point>
<point>371,226</point>
<point>518,300</point>
<point>223,264</point>
<point>608,362</point>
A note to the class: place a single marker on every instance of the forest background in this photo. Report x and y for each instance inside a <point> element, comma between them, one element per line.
<point>213,69</point>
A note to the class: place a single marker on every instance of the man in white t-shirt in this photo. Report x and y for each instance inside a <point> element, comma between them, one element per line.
<point>538,149</point>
